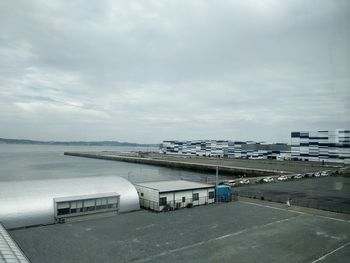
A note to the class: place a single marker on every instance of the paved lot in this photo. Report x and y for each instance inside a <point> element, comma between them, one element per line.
<point>242,231</point>
<point>288,166</point>
<point>327,193</point>
<point>240,166</point>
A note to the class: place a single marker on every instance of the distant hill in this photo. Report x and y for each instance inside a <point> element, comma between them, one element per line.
<point>75,143</point>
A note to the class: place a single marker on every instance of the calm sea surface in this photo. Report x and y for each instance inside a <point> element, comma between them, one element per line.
<point>28,162</point>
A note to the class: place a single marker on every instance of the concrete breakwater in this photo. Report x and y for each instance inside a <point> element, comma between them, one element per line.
<point>201,167</point>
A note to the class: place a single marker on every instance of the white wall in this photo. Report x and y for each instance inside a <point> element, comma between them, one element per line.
<point>149,198</point>
<point>176,197</point>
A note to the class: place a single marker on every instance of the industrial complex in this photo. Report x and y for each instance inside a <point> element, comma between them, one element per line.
<point>327,146</point>
<point>226,148</point>
<point>89,219</point>
<point>52,201</point>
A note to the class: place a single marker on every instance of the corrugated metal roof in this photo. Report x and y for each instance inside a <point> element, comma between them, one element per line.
<point>175,185</point>
<point>9,251</point>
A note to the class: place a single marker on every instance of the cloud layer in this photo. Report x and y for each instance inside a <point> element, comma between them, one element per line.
<point>145,71</point>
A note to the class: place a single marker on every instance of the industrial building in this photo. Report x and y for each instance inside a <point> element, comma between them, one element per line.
<point>40,202</point>
<point>165,195</point>
<point>197,147</point>
<point>227,148</point>
<point>327,146</point>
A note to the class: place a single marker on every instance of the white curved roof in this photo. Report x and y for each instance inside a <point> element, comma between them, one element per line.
<point>25,203</point>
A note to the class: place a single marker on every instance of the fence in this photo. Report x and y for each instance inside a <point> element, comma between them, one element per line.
<point>333,205</point>
<point>177,204</point>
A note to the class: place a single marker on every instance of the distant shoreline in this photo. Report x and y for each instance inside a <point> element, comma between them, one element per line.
<point>74,143</point>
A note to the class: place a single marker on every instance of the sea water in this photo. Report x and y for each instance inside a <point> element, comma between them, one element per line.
<point>30,162</point>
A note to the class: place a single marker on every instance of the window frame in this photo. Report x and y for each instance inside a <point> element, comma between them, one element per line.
<point>211,195</point>
<point>162,202</point>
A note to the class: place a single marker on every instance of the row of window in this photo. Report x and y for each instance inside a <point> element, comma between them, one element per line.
<point>88,205</point>
<point>195,197</point>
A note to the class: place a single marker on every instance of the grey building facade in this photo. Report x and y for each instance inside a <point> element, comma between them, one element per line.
<point>327,146</point>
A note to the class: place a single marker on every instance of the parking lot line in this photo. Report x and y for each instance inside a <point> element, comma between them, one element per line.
<point>211,240</point>
<point>330,253</point>
<point>294,211</point>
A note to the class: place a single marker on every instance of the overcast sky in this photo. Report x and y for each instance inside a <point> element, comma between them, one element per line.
<point>147,71</point>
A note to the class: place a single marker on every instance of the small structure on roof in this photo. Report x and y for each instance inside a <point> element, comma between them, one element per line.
<point>168,195</point>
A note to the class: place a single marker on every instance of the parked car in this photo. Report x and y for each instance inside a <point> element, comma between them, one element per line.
<point>324,173</point>
<point>282,178</point>
<point>244,181</point>
<point>317,174</point>
<point>231,182</point>
<point>260,181</point>
<point>298,176</point>
<point>309,175</point>
<point>268,179</point>
<point>333,173</point>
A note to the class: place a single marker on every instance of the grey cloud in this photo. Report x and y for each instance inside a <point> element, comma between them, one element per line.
<point>152,70</point>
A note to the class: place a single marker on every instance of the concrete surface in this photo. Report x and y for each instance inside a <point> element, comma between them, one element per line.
<point>242,231</point>
<point>327,193</point>
<point>235,167</point>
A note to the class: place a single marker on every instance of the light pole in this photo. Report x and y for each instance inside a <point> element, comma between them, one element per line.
<point>216,182</point>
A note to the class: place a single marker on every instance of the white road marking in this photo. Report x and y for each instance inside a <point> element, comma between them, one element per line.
<point>330,253</point>
<point>164,253</point>
<point>272,207</point>
<point>210,240</point>
<point>294,211</point>
<point>337,219</point>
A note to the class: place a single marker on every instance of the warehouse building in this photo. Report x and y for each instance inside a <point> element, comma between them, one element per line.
<point>327,146</point>
<point>227,148</point>
<point>164,195</point>
<point>40,202</point>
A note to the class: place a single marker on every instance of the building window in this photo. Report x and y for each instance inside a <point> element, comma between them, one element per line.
<point>195,197</point>
<point>211,195</point>
<point>162,201</point>
<point>76,207</point>
<point>183,199</point>
<point>63,208</point>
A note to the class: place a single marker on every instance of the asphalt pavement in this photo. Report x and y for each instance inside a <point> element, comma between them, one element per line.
<point>243,231</point>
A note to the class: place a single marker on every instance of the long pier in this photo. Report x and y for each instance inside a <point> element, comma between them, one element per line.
<point>187,165</point>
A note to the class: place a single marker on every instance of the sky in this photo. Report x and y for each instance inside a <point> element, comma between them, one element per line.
<point>147,71</point>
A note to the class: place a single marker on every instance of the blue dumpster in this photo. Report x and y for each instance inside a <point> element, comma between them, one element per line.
<point>223,193</point>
